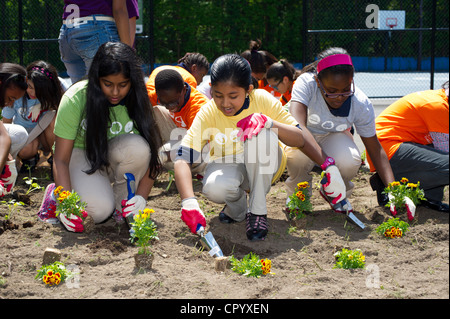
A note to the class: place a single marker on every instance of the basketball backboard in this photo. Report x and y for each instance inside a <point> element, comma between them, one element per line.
<point>391,19</point>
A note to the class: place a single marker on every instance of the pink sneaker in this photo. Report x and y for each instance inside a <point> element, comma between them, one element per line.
<point>48,207</point>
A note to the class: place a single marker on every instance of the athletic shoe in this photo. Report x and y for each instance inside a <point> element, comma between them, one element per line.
<point>48,207</point>
<point>224,218</point>
<point>257,228</point>
<point>338,207</point>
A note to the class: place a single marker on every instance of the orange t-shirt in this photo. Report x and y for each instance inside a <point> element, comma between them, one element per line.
<point>286,97</point>
<point>411,119</point>
<point>187,77</point>
<point>263,84</point>
<point>186,116</point>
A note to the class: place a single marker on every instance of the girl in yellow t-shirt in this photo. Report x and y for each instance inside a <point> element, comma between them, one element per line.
<point>244,127</point>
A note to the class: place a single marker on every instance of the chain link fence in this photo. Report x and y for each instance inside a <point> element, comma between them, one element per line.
<point>412,56</point>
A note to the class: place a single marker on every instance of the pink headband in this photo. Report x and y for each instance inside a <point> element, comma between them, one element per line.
<point>333,60</point>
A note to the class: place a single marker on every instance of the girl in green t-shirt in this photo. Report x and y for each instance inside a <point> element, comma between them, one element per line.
<point>105,128</point>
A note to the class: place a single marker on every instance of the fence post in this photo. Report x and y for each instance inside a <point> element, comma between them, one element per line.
<point>305,33</point>
<point>433,44</point>
<point>151,38</point>
<point>20,35</point>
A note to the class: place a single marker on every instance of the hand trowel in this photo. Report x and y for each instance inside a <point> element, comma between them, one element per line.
<point>209,242</point>
<point>131,187</point>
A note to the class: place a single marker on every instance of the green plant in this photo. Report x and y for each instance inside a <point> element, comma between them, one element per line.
<point>33,185</point>
<point>251,265</point>
<point>69,203</point>
<point>171,179</point>
<point>402,189</point>
<point>143,231</point>
<point>349,259</point>
<point>53,274</point>
<point>300,201</point>
<point>394,227</point>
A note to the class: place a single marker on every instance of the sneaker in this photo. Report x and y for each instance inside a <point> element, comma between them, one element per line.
<point>257,228</point>
<point>224,218</point>
<point>48,207</point>
<point>30,164</point>
<point>339,207</point>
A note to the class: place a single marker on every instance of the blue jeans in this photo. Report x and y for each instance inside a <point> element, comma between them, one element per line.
<point>422,163</point>
<point>79,44</point>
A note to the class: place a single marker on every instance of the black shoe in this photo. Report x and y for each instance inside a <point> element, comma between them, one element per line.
<point>435,205</point>
<point>257,228</point>
<point>377,185</point>
<point>29,164</point>
<point>225,218</point>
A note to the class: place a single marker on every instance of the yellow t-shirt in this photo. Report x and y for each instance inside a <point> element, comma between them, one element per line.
<point>211,125</point>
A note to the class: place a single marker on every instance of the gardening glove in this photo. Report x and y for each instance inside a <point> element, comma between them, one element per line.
<point>409,205</point>
<point>191,214</point>
<point>133,205</point>
<point>35,112</point>
<point>8,177</point>
<point>252,125</point>
<point>3,190</point>
<point>334,185</point>
<point>73,223</point>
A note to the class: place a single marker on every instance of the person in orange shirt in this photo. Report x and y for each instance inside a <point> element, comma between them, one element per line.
<point>281,77</point>
<point>185,74</point>
<point>178,104</point>
<point>414,132</point>
<point>259,61</point>
<point>196,64</point>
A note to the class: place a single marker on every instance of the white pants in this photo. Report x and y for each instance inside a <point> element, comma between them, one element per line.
<point>104,190</point>
<point>18,135</point>
<point>229,179</point>
<point>340,146</point>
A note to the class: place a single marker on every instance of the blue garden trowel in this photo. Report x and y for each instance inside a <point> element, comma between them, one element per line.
<point>131,187</point>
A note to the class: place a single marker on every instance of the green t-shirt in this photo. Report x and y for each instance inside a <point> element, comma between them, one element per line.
<point>69,124</point>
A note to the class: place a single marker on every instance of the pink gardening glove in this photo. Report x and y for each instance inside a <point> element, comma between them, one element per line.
<point>191,214</point>
<point>133,205</point>
<point>73,223</point>
<point>252,125</point>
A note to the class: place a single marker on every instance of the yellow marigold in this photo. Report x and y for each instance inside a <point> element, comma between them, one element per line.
<point>266,265</point>
<point>404,180</point>
<point>57,190</point>
<point>393,184</point>
<point>303,185</point>
<point>299,194</point>
<point>63,196</point>
<point>52,278</point>
<point>411,185</point>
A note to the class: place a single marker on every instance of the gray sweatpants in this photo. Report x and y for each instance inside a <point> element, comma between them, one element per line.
<point>422,163</point>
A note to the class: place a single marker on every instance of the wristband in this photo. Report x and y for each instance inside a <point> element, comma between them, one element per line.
<point>328,161</point>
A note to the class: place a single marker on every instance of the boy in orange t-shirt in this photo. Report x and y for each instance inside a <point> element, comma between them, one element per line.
<point>414,132</point>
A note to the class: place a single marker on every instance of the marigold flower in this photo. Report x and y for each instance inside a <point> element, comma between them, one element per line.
<point>57,190</point>
<point>52,278</point>
<point>393,184</point>
<point>303,185</point>
<point>404,180</point>
<point>266,265</point>
<point>411,185</point>
<point>63,196</point>
<point>299,193</point>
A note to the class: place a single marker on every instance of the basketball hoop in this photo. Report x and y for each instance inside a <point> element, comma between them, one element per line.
<point>391,22</point>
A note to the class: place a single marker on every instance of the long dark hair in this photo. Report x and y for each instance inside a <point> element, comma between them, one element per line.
<point>46,84</point>
<point>11,75</point>
<point>337,69</point>
<point>114,58</point>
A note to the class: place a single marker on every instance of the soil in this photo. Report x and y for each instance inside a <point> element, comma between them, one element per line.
<point>415,266</point>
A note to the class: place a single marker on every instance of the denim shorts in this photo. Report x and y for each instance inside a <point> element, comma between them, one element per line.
<point>79,44</point>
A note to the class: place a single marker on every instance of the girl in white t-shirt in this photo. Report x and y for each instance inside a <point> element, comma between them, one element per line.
<point>326,101</point>
<point>243,127</point>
